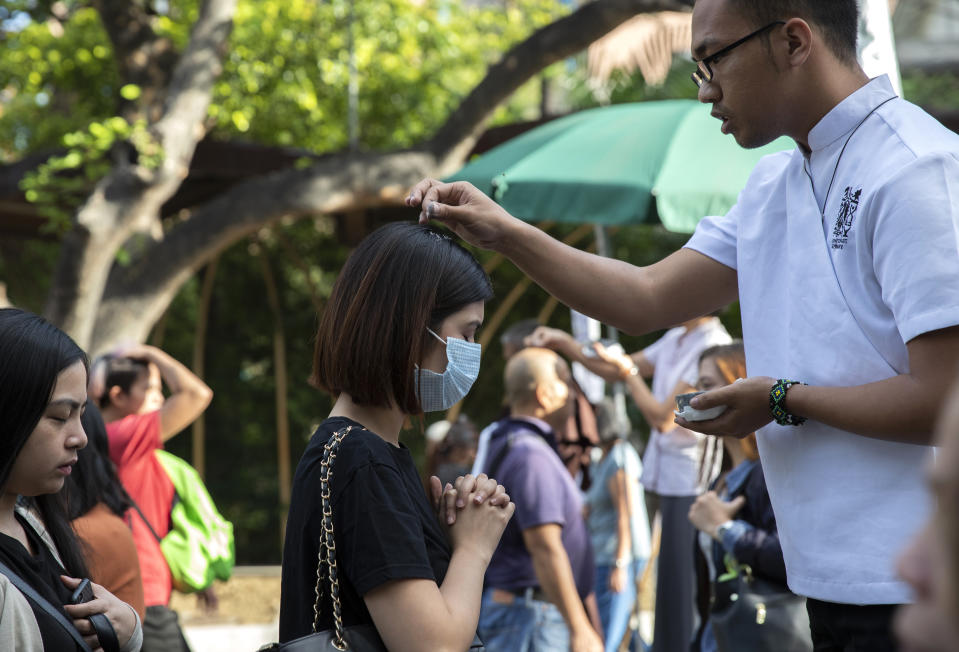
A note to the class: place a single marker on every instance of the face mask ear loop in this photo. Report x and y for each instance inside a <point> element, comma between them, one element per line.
<point>442,341</point>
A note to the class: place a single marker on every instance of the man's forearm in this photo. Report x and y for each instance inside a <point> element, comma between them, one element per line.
<point>633,299</point>
<point>555,577</point>
<point>894,409</point>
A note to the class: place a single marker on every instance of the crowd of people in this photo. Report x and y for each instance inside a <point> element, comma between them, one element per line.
<point>799,501</point>
<point>844,258</point>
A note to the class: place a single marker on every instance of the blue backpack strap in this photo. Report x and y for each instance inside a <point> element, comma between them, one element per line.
<point>508,426</point>
<point>44,604</point>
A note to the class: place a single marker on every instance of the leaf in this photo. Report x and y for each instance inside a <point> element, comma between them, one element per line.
<point>130,92</point>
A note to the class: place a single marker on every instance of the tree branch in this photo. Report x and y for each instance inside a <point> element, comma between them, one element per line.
<point>129,198</point>
<point>136,295</point>
<point>550,44</point>
<point>143,58</point>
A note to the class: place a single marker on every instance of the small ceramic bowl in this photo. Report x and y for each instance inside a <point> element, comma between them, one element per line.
<point>692,414</point>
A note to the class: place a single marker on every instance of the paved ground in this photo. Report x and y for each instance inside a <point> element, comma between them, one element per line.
<point>230,638</point>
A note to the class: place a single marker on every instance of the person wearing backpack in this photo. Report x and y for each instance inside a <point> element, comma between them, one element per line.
<point>139,420</point>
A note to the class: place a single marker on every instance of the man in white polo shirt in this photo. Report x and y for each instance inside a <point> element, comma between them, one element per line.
<point>844,256</point>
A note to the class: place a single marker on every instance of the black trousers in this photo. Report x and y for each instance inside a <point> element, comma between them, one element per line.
<point>851,628</point>
<point>161,631</point>
<point>675,622</point>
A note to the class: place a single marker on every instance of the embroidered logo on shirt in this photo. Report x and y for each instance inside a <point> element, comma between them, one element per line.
<point>847,212</point>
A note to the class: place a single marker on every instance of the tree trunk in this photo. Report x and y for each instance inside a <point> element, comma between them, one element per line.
<point>199,362</point>
<point>284,475</point>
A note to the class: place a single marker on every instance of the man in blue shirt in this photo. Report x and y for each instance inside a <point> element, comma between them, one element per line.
<point>543,568</point>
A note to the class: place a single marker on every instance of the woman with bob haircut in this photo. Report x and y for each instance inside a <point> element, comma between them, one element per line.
<point>396,340</point>
<point>43,390</point>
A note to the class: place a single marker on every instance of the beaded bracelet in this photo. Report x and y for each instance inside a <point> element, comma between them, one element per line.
<point>777,403</point>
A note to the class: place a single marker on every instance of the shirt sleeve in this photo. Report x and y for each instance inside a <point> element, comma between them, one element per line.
<point>534,485</point>
<point>379,535</point>
<point>916,245</point>
<point>733,534</point>
<point>133,437</point>
<point>715,237</point>
<point>631,462</point>
<point>653,351</point>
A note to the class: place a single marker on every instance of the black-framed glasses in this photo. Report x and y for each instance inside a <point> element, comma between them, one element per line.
<point>704,73</point>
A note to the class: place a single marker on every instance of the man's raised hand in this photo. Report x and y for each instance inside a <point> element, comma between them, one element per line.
<point>465,210</point>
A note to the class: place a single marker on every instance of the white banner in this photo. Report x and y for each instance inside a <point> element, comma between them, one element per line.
<point>587,330</point>
<point>877,47</point>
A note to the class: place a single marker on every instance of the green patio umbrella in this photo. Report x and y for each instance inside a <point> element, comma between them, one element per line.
<point>620,164</point>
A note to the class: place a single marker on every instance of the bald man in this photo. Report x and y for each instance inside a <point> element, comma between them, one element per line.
<point>543,568</point>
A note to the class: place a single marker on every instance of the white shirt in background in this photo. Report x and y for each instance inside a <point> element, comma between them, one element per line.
<point>671,460</point>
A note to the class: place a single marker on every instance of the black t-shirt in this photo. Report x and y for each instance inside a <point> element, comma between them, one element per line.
<point>383,524</point>
<point>42,572</point>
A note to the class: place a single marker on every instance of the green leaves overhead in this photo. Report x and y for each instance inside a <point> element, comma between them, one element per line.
<point>60,184</point>
<point>286,75</point>
<point>54,81</point>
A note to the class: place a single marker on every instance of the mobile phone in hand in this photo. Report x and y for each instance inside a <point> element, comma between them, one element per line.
<point>83,593</point>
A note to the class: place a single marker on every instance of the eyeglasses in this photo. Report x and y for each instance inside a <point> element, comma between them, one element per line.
<point>704,73</point>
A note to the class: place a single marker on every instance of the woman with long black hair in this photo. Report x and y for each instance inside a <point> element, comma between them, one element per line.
<point>43,390</point>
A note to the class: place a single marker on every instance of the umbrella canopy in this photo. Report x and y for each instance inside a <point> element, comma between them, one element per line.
<point>620,164</point>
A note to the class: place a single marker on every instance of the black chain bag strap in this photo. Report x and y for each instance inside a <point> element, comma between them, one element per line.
<point>751,614</point>
<point>358,638</point>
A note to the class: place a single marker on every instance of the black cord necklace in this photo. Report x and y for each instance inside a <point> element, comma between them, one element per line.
<point>825,201</point>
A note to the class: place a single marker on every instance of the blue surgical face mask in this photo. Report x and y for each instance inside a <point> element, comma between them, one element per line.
<point>438,392</point>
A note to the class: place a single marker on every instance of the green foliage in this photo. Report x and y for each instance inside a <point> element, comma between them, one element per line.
<point>285,82</point>
<point>60,184</point>
<point>52,83</point>
<point>932,91</point>
<point>286,72</point>
<point>286,77</point>
<point>26,266</point>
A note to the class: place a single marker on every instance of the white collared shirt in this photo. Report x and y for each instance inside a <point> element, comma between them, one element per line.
<point>671,460</point>
<point>845,504</point>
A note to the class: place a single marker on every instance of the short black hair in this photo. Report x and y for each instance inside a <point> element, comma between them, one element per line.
<point>402,279</point>
<point>119,372</point>
<point>838,20</point>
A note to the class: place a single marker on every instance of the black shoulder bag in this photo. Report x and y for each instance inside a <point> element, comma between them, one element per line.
<point>750,613</point>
